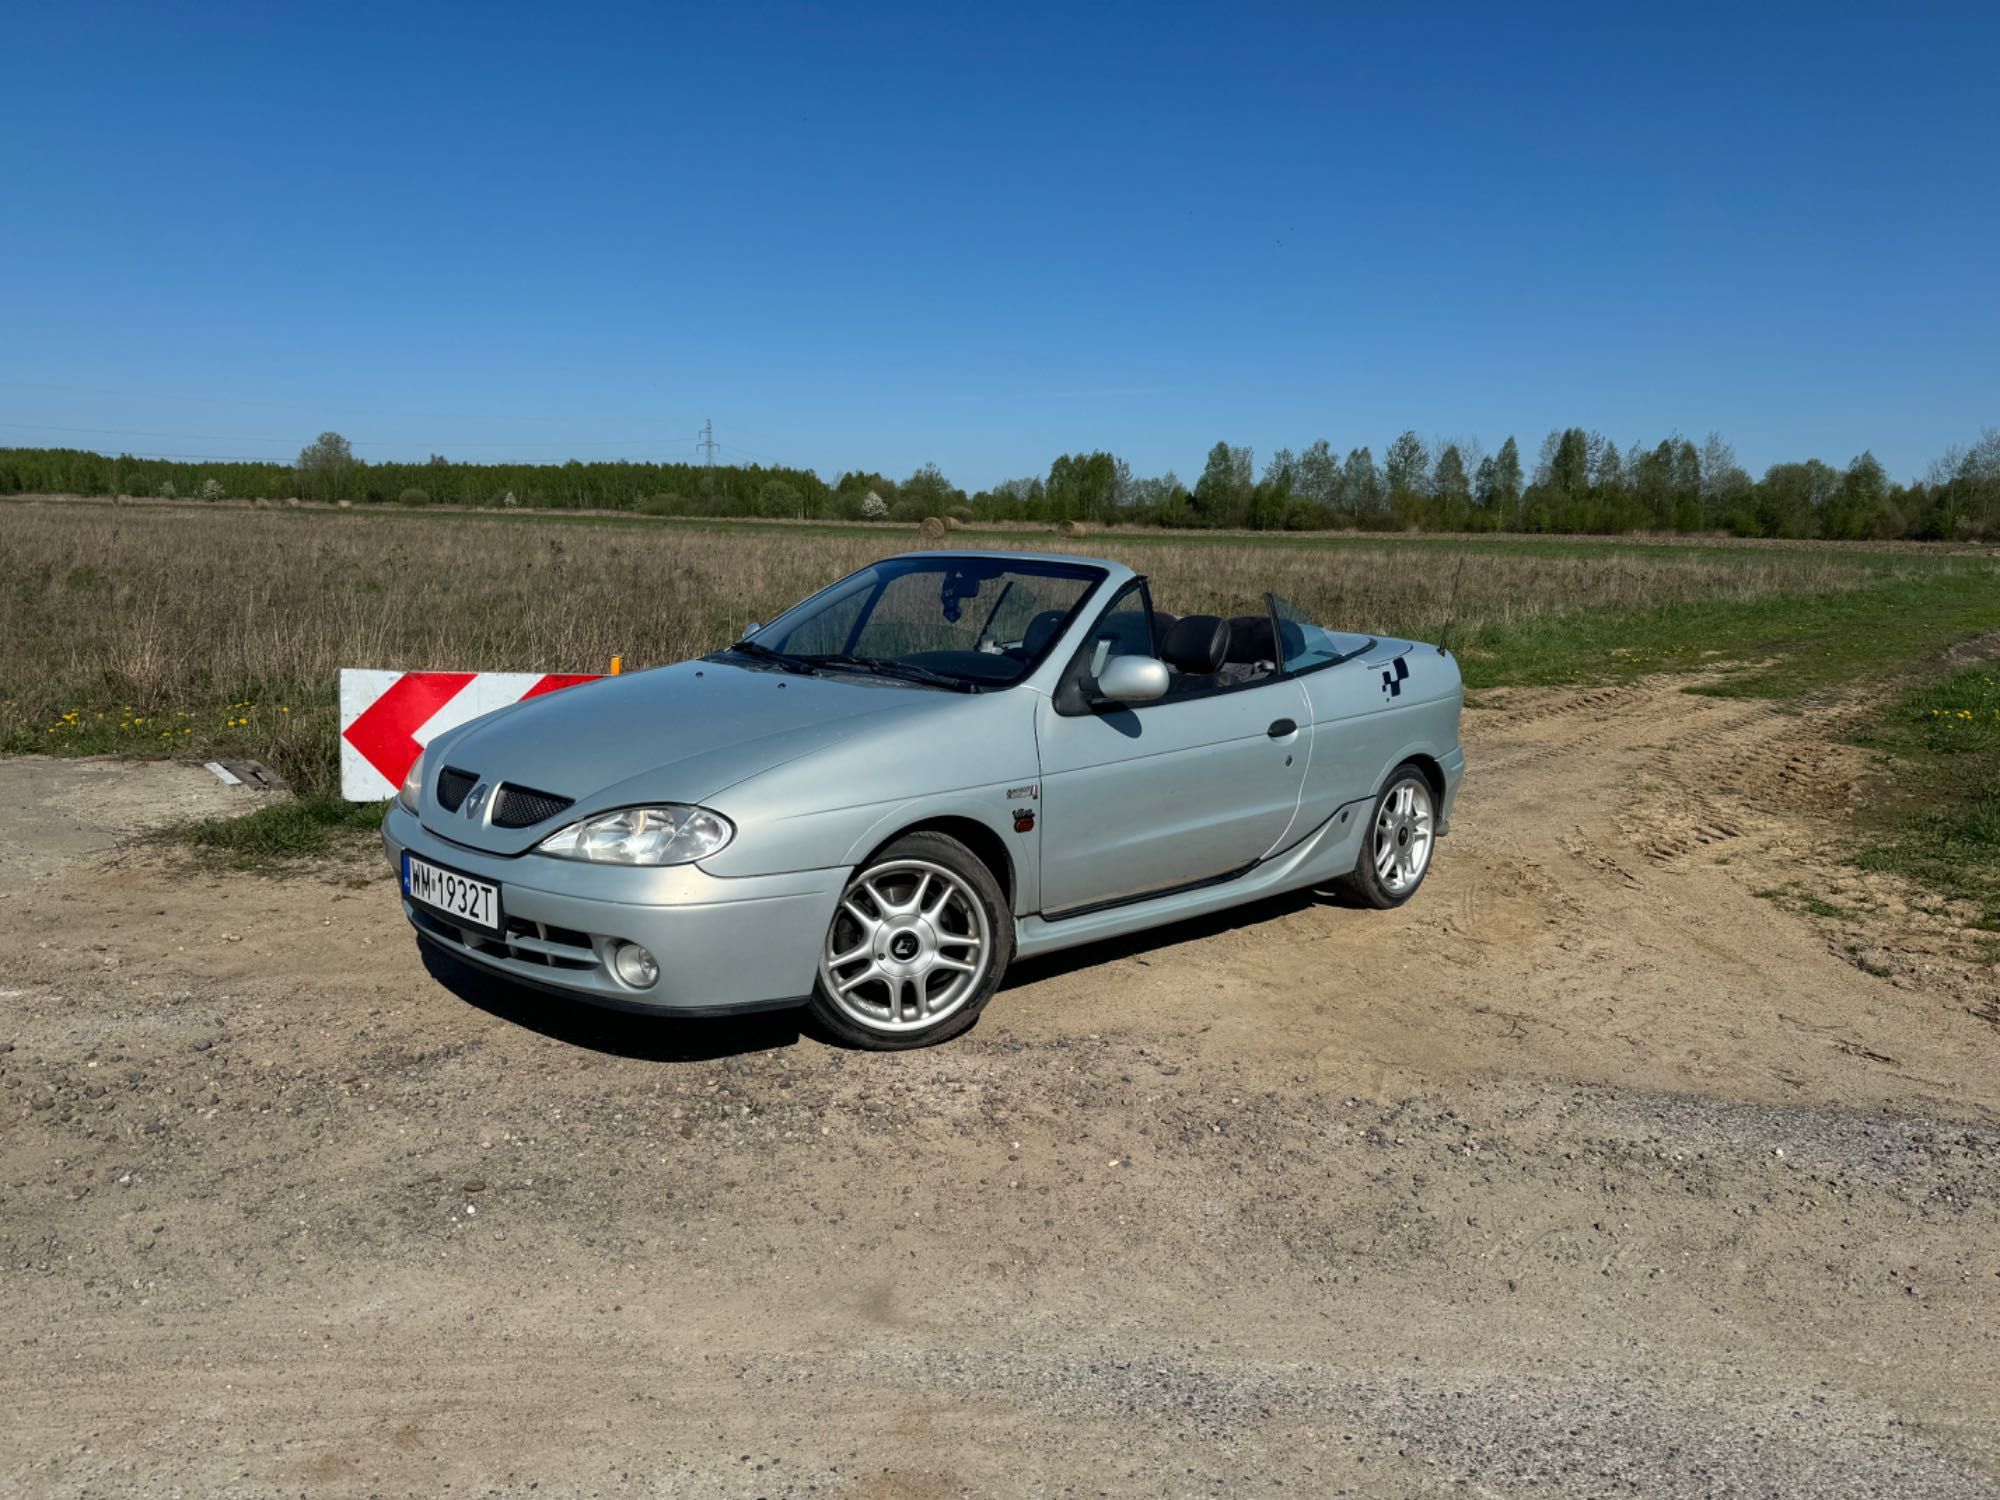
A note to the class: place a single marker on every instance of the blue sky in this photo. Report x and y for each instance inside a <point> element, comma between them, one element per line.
<point>982,236</point>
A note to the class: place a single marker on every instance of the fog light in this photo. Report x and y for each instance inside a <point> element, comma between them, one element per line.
<point>635,966</point>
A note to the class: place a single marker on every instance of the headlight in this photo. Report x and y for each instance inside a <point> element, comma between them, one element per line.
<point>669,835</point>
<point>413,784</point>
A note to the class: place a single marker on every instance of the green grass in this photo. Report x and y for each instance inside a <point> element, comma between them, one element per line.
<point>1781,645</point>
<point>289,727</point>
<point>1794,897</point>
<point>1935,818</point>
<point>286,833</point>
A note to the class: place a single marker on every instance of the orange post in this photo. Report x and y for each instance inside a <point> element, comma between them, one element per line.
<point>617,665</point>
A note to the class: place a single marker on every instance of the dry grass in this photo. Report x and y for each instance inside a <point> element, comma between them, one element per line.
<point>223,630</point>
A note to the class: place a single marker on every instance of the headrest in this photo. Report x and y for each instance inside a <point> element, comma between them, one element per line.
<point>1041,630</point>
<point>1197,643</point>
<point>1250,640</point>
<point>1162,623</point>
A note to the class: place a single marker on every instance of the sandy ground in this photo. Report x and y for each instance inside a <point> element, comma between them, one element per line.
<point>57,813</point>
<point>1593,1171</point>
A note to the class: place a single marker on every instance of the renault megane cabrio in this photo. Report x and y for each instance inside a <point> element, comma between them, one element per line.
<point>875,803</point>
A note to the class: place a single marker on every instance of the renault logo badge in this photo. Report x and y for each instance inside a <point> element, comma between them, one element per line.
<point>476,800</point>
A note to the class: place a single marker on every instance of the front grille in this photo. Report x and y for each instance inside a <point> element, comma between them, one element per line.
<point>452,786</point>
<point>525,948</point>
<point>523,807</point>
<point>554,947</point>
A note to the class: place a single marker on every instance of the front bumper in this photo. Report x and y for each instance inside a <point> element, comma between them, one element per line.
<point>721,944</point>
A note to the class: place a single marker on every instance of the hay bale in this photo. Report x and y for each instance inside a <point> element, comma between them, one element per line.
<point>344,504</point>
<point>260,503</point>
<point>1072,529</point>
<point>296,503</point>
<point>952,523</point>
<point>932,530</point>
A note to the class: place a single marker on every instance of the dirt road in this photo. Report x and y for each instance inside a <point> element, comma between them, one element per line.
<point>1593,1171</point>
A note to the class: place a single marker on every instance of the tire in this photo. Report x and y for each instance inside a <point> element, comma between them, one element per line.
<point>916,947</point>
<point>1398,843</point>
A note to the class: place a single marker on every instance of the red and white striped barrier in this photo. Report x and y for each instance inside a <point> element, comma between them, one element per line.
<point>386,718</point>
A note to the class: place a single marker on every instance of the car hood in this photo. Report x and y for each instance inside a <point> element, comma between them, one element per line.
<point>674,734</point>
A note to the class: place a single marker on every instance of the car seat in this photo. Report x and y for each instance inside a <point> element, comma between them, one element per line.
<point>1251,655</point>
<point>1041,630</point>
<point>1196,648</point>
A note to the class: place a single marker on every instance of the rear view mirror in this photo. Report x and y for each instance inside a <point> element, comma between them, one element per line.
<point>1133,679</point>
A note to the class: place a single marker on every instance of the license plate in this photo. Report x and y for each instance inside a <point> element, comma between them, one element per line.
<point>476,903</point>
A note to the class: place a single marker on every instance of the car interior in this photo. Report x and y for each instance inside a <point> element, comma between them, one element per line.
<point>1208,653</point>
<point>1203,653</point>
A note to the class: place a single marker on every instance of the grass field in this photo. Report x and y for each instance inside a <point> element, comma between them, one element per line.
<point>197,632</point>
<point>1937,820</point>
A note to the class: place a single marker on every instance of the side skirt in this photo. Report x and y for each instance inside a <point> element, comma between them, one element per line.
<point>1071,913</point>
<point>1324,855</point>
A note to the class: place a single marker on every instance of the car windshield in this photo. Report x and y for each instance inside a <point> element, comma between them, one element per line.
<point>945,620</point>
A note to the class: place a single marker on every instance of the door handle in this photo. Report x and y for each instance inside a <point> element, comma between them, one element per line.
<point>1280,728</point>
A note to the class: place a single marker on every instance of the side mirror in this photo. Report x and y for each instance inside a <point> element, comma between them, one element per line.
<point>751,629</point>
<point>1133,679</point>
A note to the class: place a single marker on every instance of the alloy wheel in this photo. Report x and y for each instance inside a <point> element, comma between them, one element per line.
<point>909,946</point>
<point>1403,835</point>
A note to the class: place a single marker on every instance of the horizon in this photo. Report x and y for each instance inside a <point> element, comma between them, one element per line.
<point>871,243</point>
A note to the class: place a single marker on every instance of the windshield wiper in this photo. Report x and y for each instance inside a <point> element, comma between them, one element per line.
<point>886,666</point>
<point>784,660</point>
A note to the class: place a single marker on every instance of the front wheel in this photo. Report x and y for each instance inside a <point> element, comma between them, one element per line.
<point>916,947</point>
<point>1396,850</point>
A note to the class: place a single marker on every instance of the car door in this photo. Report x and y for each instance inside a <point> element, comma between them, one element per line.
<point>1147,797</point>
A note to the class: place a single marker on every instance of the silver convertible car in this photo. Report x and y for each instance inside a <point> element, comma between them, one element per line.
<point>944,762</point>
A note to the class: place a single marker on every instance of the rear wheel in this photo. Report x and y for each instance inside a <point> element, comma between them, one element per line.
<point>1398,842</point>
<point>916,947</point>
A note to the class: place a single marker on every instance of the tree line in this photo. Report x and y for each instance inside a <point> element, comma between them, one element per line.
<point>1579,481</point>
